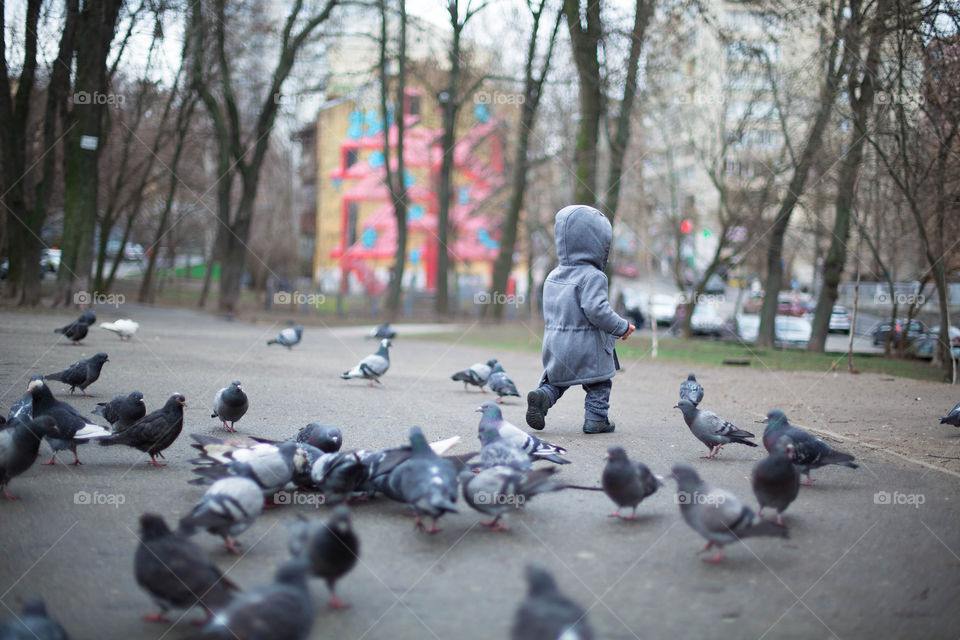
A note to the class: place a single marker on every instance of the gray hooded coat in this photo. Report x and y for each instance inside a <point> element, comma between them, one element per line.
<point>580,327</point>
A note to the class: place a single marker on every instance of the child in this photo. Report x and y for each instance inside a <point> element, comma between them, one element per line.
<point>580,328</point>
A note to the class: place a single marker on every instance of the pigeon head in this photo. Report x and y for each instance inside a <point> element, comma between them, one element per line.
<point>339,521</point>
<point>153,526</point>
<point>539,581</point>
<point>686,407</point>
<point>100,358</point>
<point>136,396</point>
<point>176,399</point>
<point>39,390</point>
<point>776,420</point>
<point>692,378</point>
<point>88,317</point>
<point>491,362</point>
<point>490,411</point>
<point>686,476</point>
<point>617,454</point>
<point>488,433</point>
<point>417,440</point>
<point>235,383</point>
<point>496,367</point>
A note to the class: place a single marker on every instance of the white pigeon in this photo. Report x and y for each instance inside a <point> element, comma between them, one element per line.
<point>373,366</point>
<point>124,328</point>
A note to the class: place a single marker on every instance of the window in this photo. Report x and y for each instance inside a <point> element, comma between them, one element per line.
<point>350,158</point>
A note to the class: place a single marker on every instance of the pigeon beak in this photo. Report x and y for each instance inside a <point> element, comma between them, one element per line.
<point>676,406</point>
<point>764,421</point>
<point>478,410</point>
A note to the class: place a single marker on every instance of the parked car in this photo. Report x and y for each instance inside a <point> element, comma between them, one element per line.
<point>626,269</point>
<point>706,319</point>
<point>839,320</point>
<point>663,309</point>
<point>49,263</point>
<point>633,304</point>
<point>880,331</point>
<point>715,286</point>
<point>786,329</point>
<point>132,251</point>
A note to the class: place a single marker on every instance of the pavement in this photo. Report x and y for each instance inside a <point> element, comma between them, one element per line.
<point>873,552</point>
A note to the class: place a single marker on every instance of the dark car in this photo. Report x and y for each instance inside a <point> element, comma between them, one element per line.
<point>880,332</point>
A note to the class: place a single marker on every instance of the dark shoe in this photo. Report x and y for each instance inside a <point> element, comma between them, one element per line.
<point>538,403</point>
<point>596,426</point>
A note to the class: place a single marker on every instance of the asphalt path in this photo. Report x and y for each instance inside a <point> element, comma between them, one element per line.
<point>872,552</point>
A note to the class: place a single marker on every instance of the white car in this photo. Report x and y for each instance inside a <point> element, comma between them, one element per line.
<point>786,329</point>
<point>662,308</point>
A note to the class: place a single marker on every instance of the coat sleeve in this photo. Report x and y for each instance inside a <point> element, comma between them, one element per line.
<point>596,306</point>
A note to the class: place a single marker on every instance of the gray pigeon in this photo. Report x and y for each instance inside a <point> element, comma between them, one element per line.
<point>953,417</point>
<point>288,337</point>
<point>711,429</point>
<point>122,411</point>
<point>425,481</point>
<point>271,466</point>
<point>81,374</point>
<point>477,374</point>
<point>810,452</point>
<point>496,490</point>
<point>717,515</point>
<point>176,572</point>
<point>22,409</point>
<point>19,444</point>
<point>227,509</point>
<point>536,448</point>
<point>495,451</point>
<point>775,479</point>
<point>331,548</point>
<point>502,384</point>
<point>230,404</point>
<point>337,475</point>
<point>282,610</point>
<point>547,614</point>
<point>626,482</point>
<point>32,624</point>
<point>691,390</point>
<point>373,366</point>
<point>72,428</point>
<point>383,331</point>
<point>325,437</point>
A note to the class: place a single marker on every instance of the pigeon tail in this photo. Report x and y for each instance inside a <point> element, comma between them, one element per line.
<point>741,440</point>
<point>839,458</point>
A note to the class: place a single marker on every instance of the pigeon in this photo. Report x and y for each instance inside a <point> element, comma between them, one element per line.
<point>711,429</point>
<point>717,515</point>
<point>495,490</point>
<point>373,366</point>
<point>230,404</point>
<point>953,417</point>
<point>124,327</point>
<point>122,411</point>
<point>88,316</point>
<point>271,466</point>
<point>81,374</point>
<point>502,384</point>
<point>337,475</point>
<point>33,623</point>
<point>477,374</point>
<point>22,409</point>
<point>331,548</point>
<point>72,428</point>
<point>809,451</point>
<point>536,448</point>
<point>383,331</point>
<point>19,444</point>
<point>227,509</point>
<point>547,614</point>
<point>691,390</point>
<point>77,330</point>
<point>282,610</point>
<point>425,481</point>
<point>495,451</point>
<point>155,431</point>
<point>775,479</point>
<point>288,337</point>
<point>176,572</point>
<point>626,482</point>
<point>378,464</point>
<point>325,437</point>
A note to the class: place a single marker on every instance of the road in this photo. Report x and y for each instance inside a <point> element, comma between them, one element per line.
<point>864,558</point>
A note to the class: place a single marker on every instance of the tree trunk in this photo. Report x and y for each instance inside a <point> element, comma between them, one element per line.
<point>586,55</point>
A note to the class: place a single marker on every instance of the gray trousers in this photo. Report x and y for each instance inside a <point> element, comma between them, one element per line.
<point>595,405</point>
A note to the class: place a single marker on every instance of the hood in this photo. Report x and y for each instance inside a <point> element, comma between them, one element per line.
<point>583,236</point>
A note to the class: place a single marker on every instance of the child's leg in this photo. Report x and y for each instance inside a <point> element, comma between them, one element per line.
<point>596,405</point>
<point>539,402</point>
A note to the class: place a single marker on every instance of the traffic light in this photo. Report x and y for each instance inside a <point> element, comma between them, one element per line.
<point>686,226</point>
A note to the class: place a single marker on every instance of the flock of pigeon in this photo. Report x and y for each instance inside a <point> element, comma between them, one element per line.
<point>246,476</point>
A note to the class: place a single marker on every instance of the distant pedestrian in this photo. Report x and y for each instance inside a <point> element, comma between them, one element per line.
<point>580,326</point>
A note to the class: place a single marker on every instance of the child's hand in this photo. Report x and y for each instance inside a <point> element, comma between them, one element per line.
<point>630,329</point>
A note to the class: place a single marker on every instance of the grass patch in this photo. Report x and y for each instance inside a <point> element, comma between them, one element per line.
<point>697,351</point>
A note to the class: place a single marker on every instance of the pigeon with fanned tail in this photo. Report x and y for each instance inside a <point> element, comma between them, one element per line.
<point>425,481</point>
<point>81,374</point>
<point>33,623</point>
<point>337,475</point>
<point>502,384</point>
<point>546,614</point>
<point>125,328</point>
<point>953,417</point>
<point>477,374</point>
<point>691,390</point>
<point>271,466</point>
<point>627,482</point>
<point>810,452</point>
<point>378,464</point>
<point>19,444</point>
<point>711,429</point>
<point>229,405</point>
<point>122,411</point>
<point>331,548</point>
<point>288,337</point>
<point>72,428</point>
<point>227,509</point>
<point>775,479</point>
<point>373,366</point>
<point>534,447</point>
<point>718,515</point>
<point>281,610</point>
<point>154,432</point>
<point>176,572</point>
